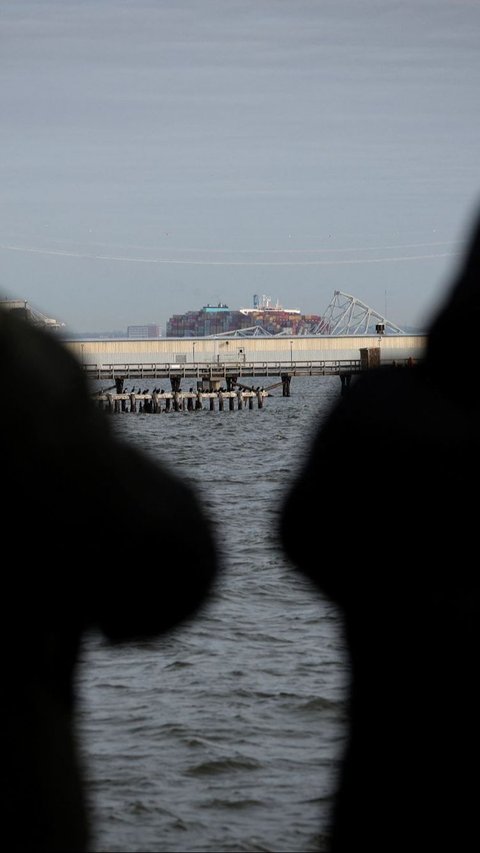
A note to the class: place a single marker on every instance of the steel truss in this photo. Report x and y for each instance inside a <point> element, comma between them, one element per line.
<point>347,315</point>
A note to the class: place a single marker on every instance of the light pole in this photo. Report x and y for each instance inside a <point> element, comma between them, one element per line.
<point>380,330</point>
<point>291,356</point>
<point>193,348</point>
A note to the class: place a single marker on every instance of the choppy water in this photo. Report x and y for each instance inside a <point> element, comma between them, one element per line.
<point>225,735</point>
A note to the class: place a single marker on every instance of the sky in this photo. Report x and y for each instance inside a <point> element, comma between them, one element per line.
<point>157,156</point>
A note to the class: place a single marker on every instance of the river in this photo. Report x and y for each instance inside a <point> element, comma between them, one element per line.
<point>224,735</point>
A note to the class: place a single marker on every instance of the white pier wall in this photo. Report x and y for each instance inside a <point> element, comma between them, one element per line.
<point>255,349</point>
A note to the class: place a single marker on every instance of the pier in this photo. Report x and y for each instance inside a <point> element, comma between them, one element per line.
<point>229,360</point>
<point>209,377</point>
<point>236,362</point>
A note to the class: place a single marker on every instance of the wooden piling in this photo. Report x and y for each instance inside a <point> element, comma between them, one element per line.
<point>286,379</point>
<point>178,400</point>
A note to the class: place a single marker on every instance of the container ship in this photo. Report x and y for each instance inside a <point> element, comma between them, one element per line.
<point>219,319</point>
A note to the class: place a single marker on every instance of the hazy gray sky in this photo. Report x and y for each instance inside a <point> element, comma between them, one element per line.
<point>159,155</point>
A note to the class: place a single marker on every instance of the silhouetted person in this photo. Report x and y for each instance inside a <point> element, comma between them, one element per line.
<point>392,479</point>
<point>69,492</point>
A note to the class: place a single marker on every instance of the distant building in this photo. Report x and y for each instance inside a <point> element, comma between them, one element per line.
<point>151,330</point>
<point>220,319</point>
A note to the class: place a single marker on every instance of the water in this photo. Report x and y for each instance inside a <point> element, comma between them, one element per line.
<point>226,734</point>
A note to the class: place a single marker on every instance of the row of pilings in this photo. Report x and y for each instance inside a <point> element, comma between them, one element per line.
<point>177,401</point>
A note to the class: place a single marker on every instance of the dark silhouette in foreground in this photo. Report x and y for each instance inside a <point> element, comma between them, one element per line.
<point>70,492</point>
<point>393,476</point>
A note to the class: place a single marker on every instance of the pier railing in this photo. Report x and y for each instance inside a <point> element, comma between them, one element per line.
<point>220,370</point>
